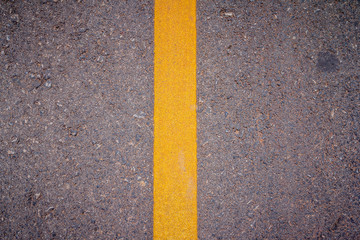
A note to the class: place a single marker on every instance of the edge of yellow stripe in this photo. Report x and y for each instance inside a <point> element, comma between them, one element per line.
<point>175,160</point>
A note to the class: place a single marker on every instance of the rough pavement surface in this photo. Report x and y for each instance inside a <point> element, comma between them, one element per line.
<point>278,100</point>
<point>76,119</point>
<point>278,119</point>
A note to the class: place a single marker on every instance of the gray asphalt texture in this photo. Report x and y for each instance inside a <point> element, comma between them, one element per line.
<point>278,119</point>
<point>76,155</point>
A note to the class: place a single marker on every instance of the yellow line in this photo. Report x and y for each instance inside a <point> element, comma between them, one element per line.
<point>175,163</point>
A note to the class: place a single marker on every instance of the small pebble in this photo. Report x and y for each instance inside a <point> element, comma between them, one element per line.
<point>10,152</point>
<point>73,132</point>
<point>82,30</point>
<point>100,59</point>
<point>37,195</point>
<point>48,84</point>
<point>140,115</point>
<point>332,113</point>
<point>15,18</point>
<point>50,209</point>
<point>229,14</point>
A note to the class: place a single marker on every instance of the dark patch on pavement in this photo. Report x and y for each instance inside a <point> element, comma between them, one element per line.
<point>327,62</point>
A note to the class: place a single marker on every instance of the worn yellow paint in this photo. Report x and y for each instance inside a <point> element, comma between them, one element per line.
<point>175,162</point>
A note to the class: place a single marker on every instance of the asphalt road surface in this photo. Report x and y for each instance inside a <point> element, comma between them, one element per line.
<point>278,95</point>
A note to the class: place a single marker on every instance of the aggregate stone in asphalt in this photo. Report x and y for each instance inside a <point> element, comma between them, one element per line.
<point>278,119</point>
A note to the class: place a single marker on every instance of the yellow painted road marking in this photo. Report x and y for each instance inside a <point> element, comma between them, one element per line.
<point>175,163</point>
